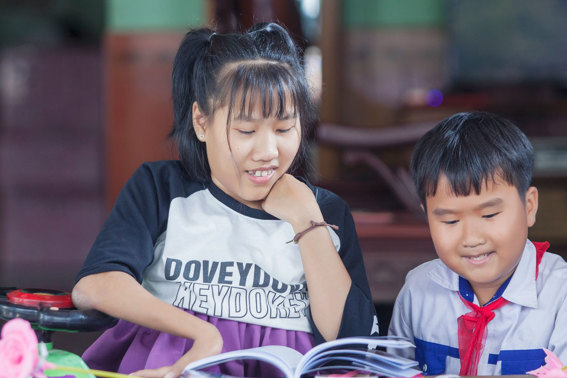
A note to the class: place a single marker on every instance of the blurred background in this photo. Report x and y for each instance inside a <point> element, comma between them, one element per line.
<point>85,98</point>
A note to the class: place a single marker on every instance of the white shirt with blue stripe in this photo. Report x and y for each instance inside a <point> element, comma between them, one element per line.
<point>428,306</point>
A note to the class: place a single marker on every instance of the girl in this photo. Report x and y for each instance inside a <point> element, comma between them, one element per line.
<point>195,257</point>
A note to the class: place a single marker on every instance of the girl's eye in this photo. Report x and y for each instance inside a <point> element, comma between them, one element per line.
<point>490,215</point>
<point>450,222</point>
<point>246,132</point>
<point>283,131</point>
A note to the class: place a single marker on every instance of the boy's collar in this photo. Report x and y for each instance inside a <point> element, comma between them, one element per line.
<point>467,293</point>
<point>521,288</point>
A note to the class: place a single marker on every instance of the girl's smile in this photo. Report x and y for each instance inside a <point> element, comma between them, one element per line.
<point>249,154</point>
<point>261,176</point>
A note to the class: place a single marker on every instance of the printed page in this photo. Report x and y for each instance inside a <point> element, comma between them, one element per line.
<point>359,352</point>
<point>372,356</point>
<point>358,362</point>
<point>284,358</point>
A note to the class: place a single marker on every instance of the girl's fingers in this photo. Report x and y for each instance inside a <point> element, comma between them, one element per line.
<point>162,372</point>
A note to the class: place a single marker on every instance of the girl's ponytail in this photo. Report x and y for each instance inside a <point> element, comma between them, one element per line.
<point>189,58</point>
<point>275,43</point>
<point>191,51</point>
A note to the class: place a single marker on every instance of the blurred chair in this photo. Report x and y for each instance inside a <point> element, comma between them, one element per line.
<point>361,145</point>
<point>392,242</point>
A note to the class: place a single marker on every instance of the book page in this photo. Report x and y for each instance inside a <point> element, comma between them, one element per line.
<point>350,353</point>
<point>284,358</point>
<point>359,351</point>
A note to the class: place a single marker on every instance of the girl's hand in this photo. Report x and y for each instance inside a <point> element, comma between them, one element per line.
<point>292,201</point>
<point>98,291</point>
<point>208,344</point>
<point>326,276</point>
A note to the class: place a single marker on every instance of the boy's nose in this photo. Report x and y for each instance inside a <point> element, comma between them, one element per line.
<point>266,147</point>
<point>472,235</point>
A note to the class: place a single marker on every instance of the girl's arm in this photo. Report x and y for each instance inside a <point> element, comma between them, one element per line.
<point>118,294</point>
<point>327,278</point>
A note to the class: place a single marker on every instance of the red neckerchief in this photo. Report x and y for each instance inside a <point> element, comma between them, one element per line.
<point>472,325</point>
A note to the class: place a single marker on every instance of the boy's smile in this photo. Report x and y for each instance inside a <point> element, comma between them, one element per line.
<point>481,237</point>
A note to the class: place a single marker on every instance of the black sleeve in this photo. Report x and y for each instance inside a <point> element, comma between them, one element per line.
<point>359,314</point>
<point>127,238</point>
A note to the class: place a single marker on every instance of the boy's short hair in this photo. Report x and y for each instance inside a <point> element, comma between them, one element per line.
<point>470,149</point>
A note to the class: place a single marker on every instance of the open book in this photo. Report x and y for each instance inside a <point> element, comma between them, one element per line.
<point>362,354</point>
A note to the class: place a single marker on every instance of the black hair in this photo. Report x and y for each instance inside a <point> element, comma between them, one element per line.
<point>262,64</point>
<point>470,149</point>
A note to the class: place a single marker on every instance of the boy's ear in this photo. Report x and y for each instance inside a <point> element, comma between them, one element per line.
<point>199,122</point>
<point>531,205</point>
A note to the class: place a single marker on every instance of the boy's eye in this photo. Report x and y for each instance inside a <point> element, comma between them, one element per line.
<point>490,215</point>
<point>450,222</point>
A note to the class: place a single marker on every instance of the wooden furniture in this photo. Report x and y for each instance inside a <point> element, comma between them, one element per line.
<point>392,245</point>
<point>359,145</point>
<point>137,99</point>
<point>392,242</point>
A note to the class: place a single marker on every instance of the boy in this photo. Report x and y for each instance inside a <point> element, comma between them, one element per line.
<point>493,299</point>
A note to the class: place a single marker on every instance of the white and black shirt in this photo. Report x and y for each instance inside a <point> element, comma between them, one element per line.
<point>194,246</point>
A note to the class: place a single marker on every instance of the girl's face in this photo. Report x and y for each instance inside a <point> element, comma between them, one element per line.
<point>249,156</point>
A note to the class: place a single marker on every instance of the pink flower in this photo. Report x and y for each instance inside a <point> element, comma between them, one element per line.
<point>552,368</point>
<point>18,350</point>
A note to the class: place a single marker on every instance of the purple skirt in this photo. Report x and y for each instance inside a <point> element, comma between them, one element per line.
<point>128,347</point>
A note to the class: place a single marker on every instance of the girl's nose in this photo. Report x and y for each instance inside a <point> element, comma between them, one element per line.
<point>266,146</point>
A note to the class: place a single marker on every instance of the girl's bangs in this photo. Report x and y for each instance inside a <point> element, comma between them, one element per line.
<point>266,87</point>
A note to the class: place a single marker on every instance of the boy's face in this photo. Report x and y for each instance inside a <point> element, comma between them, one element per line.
<point>481,237</point>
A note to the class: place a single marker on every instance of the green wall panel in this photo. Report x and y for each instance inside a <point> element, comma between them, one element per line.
<point>139,15</point>
<point>392,13</point>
